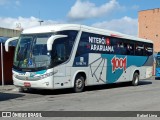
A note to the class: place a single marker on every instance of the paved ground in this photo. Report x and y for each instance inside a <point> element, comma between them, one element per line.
<point>115,97</point>
<point>6,88</point>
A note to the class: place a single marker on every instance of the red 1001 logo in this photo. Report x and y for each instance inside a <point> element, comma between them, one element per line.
<point>118,63</point>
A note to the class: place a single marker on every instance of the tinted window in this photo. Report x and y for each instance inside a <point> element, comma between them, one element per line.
<point>148,49</point>
<point>129,46</point>
<point>94,43</point>
<point>139,49</point>
<point>83,46</point>
<point>62,47</point>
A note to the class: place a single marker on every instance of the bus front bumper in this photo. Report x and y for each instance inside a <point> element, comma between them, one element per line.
<point>46,83</point>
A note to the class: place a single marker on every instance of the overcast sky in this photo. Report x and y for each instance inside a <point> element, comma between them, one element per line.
<point>117,15</point>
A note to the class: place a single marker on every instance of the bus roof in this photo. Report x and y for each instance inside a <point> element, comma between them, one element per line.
<point>51,28</point>
<point>60,27</point>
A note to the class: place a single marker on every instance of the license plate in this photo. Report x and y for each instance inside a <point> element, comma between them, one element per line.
<point>27,84</point>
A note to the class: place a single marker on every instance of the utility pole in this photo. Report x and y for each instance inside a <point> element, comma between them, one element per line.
<point>2,62</point>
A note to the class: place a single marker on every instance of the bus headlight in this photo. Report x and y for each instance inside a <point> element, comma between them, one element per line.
<point>47,75</point>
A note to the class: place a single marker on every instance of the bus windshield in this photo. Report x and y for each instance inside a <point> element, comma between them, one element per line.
<point>31,51</point>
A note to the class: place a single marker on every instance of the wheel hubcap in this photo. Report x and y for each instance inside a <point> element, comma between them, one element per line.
<point>136,80</point>
<point>79,83</point>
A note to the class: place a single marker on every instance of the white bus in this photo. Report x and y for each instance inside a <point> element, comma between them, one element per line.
<point>75,56</point>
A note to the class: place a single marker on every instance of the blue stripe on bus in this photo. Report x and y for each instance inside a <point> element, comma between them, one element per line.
<point>38,72</point>
<point>41,72</point>
<point>131,61</point>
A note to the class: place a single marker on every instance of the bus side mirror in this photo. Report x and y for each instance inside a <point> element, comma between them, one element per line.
<point>8,41</point>
<point>51,40</point>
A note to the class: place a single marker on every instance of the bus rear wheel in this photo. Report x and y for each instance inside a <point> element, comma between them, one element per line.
<point>79,83</point>
<point>135,79</point>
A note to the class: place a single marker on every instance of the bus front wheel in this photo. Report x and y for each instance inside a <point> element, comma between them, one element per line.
<point>135,79</point>
<point>79,83</point>
<point>25,90</point>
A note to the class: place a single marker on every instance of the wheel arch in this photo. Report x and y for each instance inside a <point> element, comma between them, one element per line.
<point>81,72</point>
<point>137,71</point>
<point>134,70</point>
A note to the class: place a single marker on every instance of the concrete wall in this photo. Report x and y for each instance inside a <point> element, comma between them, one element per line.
<point>149,26</point>
<point>9,32</point>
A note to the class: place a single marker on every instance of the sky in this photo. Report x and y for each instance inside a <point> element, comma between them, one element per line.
<point>115,15</point>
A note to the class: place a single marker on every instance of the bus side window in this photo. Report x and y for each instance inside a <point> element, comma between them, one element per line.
<point>139,49</point>
<point>82,48</point>
<point>130,49</point>
<point>84,45</point>
<point>148,49</point>
<point>117,49</point>
<point>118,45</point>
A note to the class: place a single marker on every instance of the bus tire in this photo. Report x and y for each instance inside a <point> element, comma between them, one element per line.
<point>135,79</point>
<point>21,89</point>
<point>25,90</point>
<point>79,83</point>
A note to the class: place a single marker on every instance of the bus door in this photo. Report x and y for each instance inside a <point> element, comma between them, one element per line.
<point>58,59</point>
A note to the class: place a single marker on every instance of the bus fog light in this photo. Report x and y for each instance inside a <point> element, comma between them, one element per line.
<point>47,83</point>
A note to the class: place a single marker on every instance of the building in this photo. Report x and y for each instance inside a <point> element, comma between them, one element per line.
<point>149,26</point>
<point>5,32</point>
<point>7,56</point>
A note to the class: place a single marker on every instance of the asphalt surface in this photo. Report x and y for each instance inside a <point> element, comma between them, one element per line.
<point>114,97</point>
